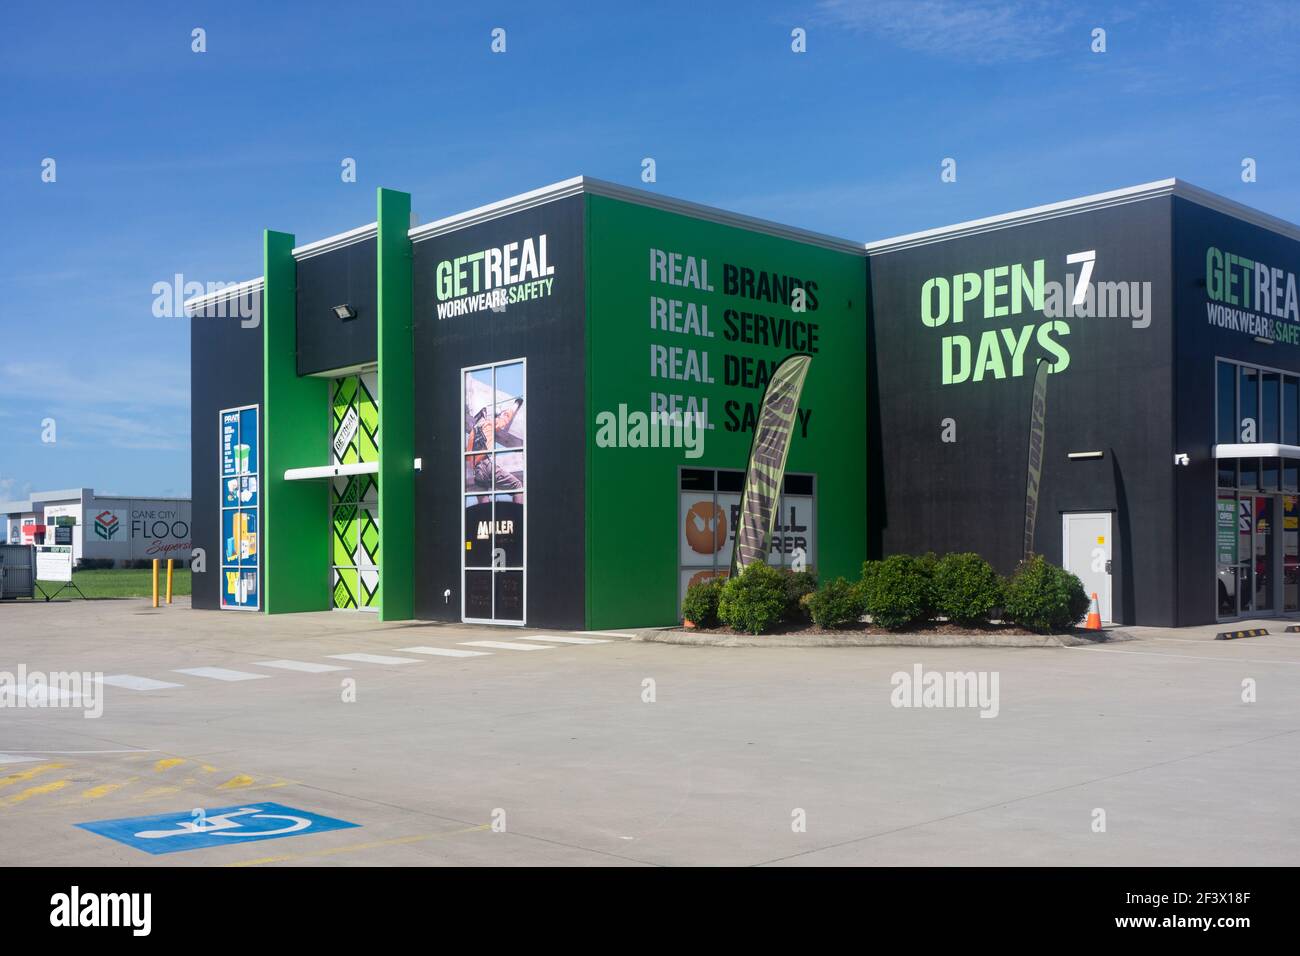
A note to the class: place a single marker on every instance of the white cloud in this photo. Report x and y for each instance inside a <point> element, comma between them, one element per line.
<point>978,31</point>
<point>135,405</point>
<point>138,384</point>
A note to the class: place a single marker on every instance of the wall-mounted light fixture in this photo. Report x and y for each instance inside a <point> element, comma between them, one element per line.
<point>1085,455</point>
<point>345,312</point>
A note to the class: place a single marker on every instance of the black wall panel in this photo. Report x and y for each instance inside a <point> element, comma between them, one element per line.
<point>1199,342</point>
<point>550,333</point>
<point>346,276</point>
<point>225,372</point>
<point>1115,396</point>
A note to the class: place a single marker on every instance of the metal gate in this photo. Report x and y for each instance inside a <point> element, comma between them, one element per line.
<point>17,571</point>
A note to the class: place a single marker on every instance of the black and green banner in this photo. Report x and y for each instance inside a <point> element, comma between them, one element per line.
<point>767,456</point>
<point>1037,429</point>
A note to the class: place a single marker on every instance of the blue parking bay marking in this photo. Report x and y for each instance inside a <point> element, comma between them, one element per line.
<point>220,826</point>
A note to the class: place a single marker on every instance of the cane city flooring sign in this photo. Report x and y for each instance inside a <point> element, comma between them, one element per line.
<point>220,826</point>
<point>106,525</point>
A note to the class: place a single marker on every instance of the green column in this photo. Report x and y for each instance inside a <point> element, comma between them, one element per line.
<point>295,434</point>
<point>396,410</point>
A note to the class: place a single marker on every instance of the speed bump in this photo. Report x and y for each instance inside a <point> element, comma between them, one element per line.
<point>1234,635</point>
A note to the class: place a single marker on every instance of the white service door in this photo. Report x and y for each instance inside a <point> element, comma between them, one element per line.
<point>1085,544</point>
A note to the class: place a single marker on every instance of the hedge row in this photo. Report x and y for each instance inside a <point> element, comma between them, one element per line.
<point>900,591</point>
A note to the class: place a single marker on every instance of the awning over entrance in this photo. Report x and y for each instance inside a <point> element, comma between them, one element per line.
<point>332,471</point>
<point>1257,450</point>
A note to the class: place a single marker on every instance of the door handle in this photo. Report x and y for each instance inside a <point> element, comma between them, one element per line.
<point>1108,566</point>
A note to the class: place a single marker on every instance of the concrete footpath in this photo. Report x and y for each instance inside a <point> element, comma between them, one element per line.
<point>900,639</point>
<point>459,745</point>
<point>1077,638</point>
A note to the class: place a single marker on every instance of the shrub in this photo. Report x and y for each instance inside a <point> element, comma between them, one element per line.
<point>966,588</point>
<point>836,603</point>
<point>927,563</point>
<point>753,600</point>
<point>798,585</point>
<point>700,606</point>
<point>897,591</point>
<point>1043,597</point>
<point>94,564</point>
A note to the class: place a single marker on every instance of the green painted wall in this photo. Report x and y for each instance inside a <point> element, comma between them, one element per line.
<point>397,409</point>
<point>295,434</point>
<point>632,493</point>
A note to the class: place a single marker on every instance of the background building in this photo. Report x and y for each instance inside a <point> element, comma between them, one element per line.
<point>101,527</point>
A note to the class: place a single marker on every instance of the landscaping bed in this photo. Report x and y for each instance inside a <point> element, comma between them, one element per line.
<point>957,599</point>
<point>723,637</point>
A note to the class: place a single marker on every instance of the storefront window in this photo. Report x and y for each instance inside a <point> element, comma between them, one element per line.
<point>709,509</point>
<point>1270,425</point>
<point>1226,420</point>
<point>240,508</point>
<point>493,471</point>
<point>1226,398</point>
<point>1248,422</point>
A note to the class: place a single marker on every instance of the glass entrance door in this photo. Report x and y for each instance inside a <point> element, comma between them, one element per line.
<point>1263,554</point>
<point>1250,574</point>
<point>1290,553</point>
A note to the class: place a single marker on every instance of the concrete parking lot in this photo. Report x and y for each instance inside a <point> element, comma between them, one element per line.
<point>562,748</point>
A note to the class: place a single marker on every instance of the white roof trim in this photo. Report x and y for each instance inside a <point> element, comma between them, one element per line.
<point>1257,450</point>
<point>330,243</point>
<point>1069,207</point>
<point>586,184</point>
<point>599,187</point>
<point>220,295</point>
<point>495,210</point>
<point>1230,207</point>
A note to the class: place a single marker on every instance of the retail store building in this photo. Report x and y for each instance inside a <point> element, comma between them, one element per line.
<point>101,528</point>
<point>491,417</point>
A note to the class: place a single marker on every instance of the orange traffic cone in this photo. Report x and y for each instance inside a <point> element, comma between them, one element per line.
<point>1093,623</point>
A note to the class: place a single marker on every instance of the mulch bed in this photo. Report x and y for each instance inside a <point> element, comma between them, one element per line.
<point>934,627</point>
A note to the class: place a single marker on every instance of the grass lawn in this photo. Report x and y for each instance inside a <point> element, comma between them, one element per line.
<point>121,582</point>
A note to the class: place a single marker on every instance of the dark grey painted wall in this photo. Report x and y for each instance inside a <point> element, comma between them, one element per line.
<point>1197,228</point>
<point>345,276</point>
<point>1114,396</point>
<point>550,333</point>
<point>225,372</point>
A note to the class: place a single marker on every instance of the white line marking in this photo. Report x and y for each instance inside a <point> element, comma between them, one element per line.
<point>1184,657</point>
<point>508,646</point>
<point>445,652</point>
<point>373,659</point>
<point>43,694</point>
<point>564,640</point>
<point>219,673</point>
<point>15,758</point>
<point>61,752</point>
<point>305,666</point>
<point>131,682</point>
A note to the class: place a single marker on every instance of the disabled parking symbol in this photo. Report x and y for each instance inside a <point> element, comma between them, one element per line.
<point>220,826</point>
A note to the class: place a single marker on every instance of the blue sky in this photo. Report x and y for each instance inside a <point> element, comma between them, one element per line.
<point>172,162</point>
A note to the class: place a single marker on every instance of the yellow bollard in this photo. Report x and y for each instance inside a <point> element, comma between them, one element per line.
<point>169,579</point>
<point>155,582</point>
